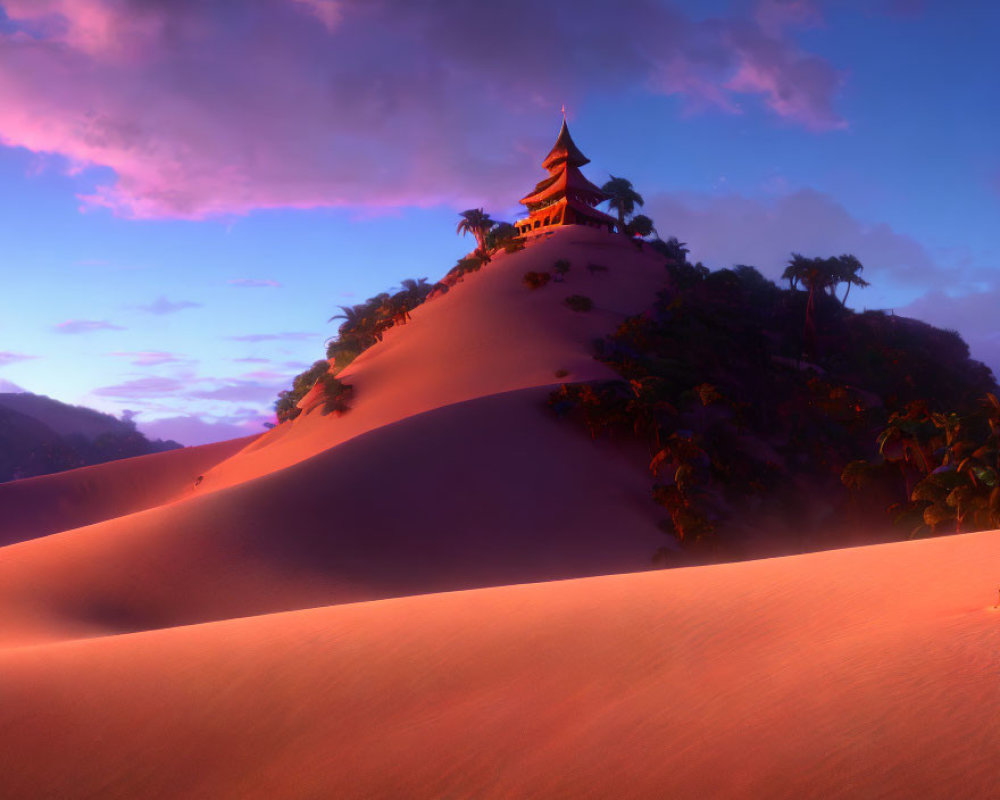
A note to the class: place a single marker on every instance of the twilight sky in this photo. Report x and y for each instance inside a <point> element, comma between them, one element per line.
<point>190,188</point>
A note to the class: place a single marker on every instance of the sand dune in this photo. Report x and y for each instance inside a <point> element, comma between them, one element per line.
<point>447,473</point>
<point>39,506</point>
<point>856,673</point>
<point>510,495</point>
<point>490,334</point>
<point>141,654</point>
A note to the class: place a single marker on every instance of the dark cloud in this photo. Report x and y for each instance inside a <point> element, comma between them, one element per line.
<point>365,103</point>
<point>728,230</point>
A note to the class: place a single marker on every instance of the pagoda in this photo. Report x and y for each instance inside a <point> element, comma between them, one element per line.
<point>565,197</point>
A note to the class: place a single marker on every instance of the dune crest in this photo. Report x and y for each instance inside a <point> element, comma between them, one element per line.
<point>868,672</point>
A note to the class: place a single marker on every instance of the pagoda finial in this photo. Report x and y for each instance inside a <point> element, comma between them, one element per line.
<point>564,111</point>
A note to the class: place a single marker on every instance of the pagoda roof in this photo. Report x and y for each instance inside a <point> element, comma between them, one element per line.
<point>568,180</point>
<point>589,211</point>
<point>565,149</point>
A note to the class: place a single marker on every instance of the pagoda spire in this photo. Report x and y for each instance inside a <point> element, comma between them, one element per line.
<point>565,197</point>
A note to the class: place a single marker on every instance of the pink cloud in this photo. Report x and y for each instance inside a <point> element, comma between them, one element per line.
<point>243,391</point>
<point>250,283</point>
<point>7,387</point>
<point>164,306</point>
<point>141,388</point>
<point>7,357</point>
<point>86,326</point>
<point>149,358</point>
<point>275,337</point>
<point>329,12</point>
<point>789,80</point>
<point>193,430</point>
<point>218,108</point>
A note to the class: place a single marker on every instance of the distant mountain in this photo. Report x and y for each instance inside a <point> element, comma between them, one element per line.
<point>39,435</point>
<point>8,386</point>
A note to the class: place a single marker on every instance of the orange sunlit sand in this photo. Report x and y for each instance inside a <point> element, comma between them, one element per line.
<point>145,655</point>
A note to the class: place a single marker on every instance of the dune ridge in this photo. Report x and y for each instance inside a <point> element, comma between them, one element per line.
<point>868,672</point>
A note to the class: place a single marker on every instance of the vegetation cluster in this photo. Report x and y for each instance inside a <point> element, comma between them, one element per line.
<point>366,323</point>
<point>766,409</point>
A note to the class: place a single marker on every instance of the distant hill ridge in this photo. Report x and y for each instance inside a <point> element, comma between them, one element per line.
<point>40,435</point>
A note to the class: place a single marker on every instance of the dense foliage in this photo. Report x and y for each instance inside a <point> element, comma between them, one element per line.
<point>742,430</point>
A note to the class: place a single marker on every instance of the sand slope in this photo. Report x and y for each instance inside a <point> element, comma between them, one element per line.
<point>39,506</point>
<point>856,673</point>
<point>490,334</point>
<point>510,495</point>
<point>132,665</point>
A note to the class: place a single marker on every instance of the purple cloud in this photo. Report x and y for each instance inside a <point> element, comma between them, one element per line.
<point>242,391</point>
<point>7,387</point>
<point>250,283</point>
<point>142,388</point>
<point>7,357</point>
<point>252,360</point>
<point>86,326</point>
<point>728,230</point>
<point>149,358</point>
<point>238,139</point>
<point>192,430</point>
<point>973,314</point>
<point>275,337</point>
<point>161,305</point>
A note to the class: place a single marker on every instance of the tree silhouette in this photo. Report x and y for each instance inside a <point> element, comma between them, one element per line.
<point>478,223</point>
<point>845,269</point>
<point>817,275</point>
<point>622,198</point>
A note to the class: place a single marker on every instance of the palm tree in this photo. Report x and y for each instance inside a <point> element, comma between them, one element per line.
<point>622,198</point>
<point>352,315</point>
<point>817,275</point>
<point>845,269</point>
<point>677,251</point>
<point>478,223</point>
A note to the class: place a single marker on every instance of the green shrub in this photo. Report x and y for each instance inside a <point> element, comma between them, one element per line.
<point>286,406</point>
<point>579,302</point>
<point>536,280</point>
<point>336,394</point>
<point>561,267</point>
<point>595,268</point>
